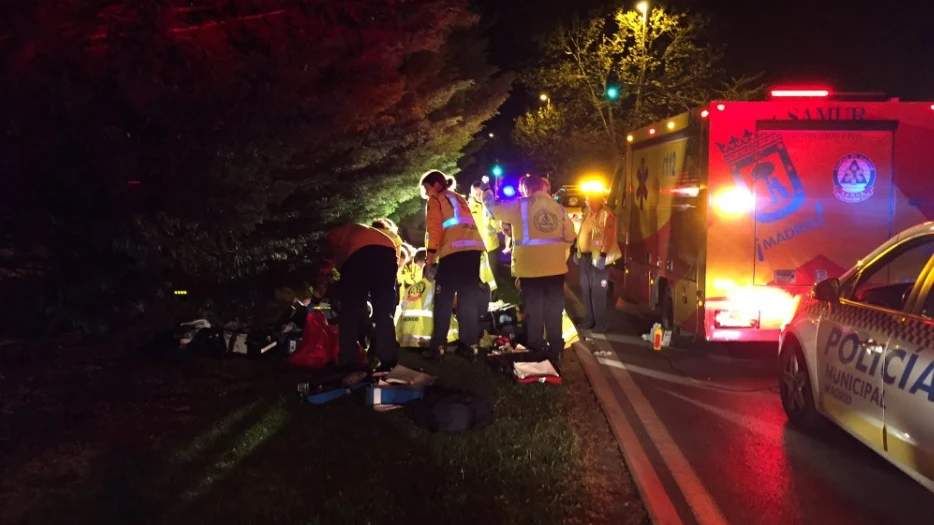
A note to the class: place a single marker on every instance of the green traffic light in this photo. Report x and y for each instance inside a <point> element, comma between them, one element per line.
<point>497,170</point>
<point>612,92</point>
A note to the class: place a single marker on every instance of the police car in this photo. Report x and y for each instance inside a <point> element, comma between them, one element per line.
<point>859,350</point>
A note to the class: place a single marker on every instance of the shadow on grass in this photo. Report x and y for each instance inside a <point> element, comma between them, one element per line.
<point>276,459</point>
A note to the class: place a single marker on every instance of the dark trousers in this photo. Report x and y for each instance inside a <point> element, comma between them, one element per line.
<point>458,273</point>
<point>594,284</point>
<point>543,304</point>
<point>368,273</point>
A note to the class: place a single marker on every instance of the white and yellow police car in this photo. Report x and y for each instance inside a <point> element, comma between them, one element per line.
<point>859,350</point>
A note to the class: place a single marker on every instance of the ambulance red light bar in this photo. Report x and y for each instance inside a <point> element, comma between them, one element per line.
<point>800,93</point>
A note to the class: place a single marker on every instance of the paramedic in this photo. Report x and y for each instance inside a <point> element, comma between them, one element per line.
<point>479,202</point>
<point>596,248</point>
<point>454,248</point>
<point>366,259</point>
<point>389,228</point>
<point>542,236</point>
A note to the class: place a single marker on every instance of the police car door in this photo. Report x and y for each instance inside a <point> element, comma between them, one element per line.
<point>908,374</point>
<point>854,335</point>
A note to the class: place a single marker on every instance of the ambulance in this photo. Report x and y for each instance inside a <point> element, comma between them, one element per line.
<point>729,211</point>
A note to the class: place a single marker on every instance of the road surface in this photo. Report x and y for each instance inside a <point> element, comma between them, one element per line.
<point>708,442</point>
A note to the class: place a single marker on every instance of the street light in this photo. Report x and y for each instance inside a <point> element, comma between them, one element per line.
<point>543,97</point>
<point>643,7</point>
<point>491,135</point>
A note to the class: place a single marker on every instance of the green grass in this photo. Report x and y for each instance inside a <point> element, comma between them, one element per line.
<point>206,441</point>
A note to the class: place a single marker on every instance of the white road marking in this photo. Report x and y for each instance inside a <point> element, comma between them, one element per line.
<point>698,498</point>
<point>657,500</point>
<point>772,432</point>
<point>712,386</point>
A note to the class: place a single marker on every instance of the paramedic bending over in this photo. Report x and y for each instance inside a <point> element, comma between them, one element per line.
<point>454,247</point>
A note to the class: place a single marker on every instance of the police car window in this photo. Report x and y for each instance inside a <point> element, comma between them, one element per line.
<point>888,282</point>
<point>928,310</point>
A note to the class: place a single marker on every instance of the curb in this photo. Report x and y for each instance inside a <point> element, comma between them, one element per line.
<point>657,504</point>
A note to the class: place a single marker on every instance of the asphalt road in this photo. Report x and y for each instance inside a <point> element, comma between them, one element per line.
<point>720,449</point>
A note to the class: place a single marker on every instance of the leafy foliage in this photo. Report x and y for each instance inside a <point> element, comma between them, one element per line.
<point>219,141</point>
<point>659,64</point>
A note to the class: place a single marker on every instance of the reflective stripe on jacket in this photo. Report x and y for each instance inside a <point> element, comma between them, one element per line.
<point>414,318</point>
<point>449,226</point>
<point>542,234</point>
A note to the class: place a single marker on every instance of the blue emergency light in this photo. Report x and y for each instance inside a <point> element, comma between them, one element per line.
<point>509,191</point>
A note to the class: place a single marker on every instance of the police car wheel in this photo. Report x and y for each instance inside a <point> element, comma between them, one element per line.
<point>795,388</point>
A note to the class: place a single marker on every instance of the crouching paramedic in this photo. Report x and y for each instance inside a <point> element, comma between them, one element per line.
<point>597,247</point>
<point>454,248</point>
<point>367,261</point>
<point>542,237</point>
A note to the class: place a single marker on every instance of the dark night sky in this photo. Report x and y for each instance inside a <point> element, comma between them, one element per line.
<point>850,46</point>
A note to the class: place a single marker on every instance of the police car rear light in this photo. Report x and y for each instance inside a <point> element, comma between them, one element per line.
<point>735,319</point>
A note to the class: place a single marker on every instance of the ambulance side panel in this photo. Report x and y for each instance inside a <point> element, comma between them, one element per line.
<point>665,207</point>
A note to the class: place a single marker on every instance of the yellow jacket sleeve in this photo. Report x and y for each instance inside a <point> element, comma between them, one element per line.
<point>570,235</point>
<point>609,230</point>
<point>434,230</point>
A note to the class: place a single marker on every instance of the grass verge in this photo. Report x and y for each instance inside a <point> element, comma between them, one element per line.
<point>100,435</point>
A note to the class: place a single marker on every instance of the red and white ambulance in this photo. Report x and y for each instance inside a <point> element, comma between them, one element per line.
<point>727,212</point>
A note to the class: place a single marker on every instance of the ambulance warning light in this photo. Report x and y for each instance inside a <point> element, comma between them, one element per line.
<point>593,187</point>
<point>734,201</point>
<point>800,93</point>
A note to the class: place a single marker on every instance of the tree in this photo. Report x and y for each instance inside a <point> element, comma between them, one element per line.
<point>657,64</point>
<point>218,141</point>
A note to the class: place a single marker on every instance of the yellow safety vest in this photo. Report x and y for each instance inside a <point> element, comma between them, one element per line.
<point>541,233</point>
<point>414,317</point>
<point>449,226</point>
<point>485,225</point>
<point>598,235</point>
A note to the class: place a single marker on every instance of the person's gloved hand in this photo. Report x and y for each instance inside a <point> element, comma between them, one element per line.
<point>430,272</point>
<point>601,262</point>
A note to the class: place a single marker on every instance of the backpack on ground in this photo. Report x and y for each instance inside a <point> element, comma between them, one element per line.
<point>451,411</point>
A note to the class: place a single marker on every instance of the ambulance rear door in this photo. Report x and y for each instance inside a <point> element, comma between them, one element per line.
<point>823,197</point>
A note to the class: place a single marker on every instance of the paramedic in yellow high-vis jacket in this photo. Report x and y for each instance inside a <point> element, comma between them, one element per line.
<point>542,236</point>
<point>479,201</point>
<point>454,248</point>
<point>596,248</point>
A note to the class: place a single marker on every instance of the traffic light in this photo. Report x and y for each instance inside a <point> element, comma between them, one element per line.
<point>612,92</point>
<point>497,170</point>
